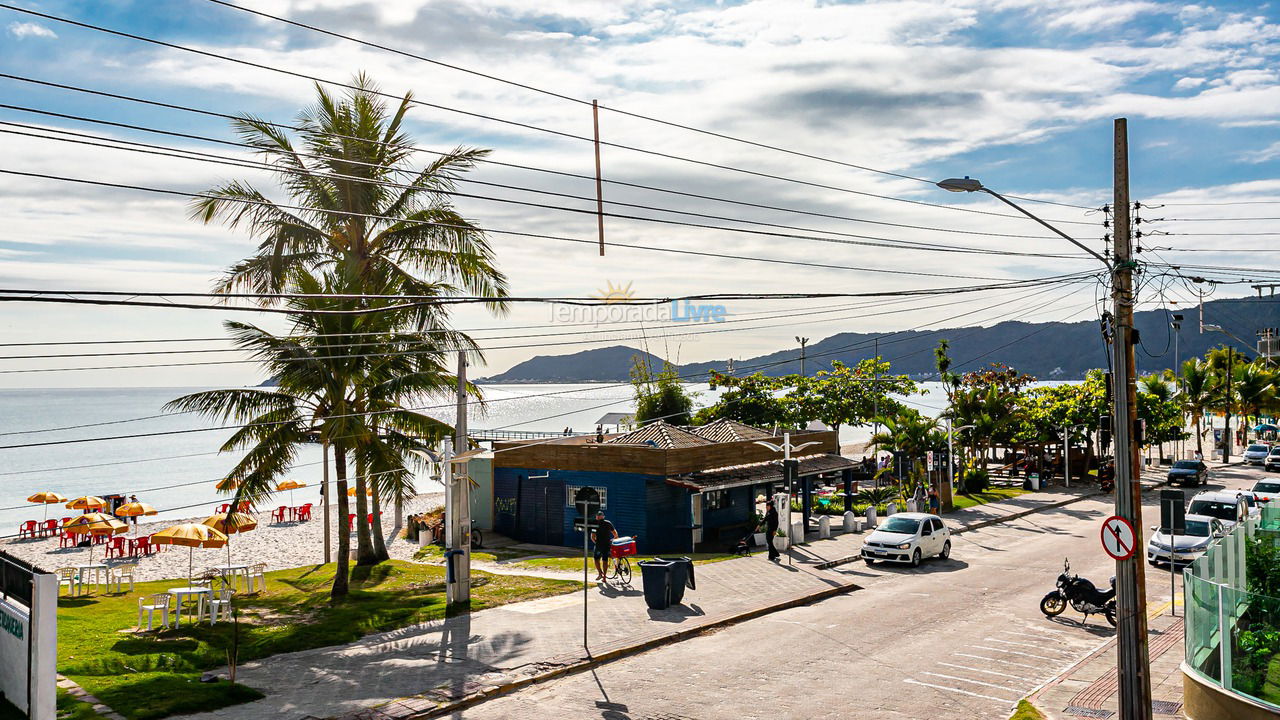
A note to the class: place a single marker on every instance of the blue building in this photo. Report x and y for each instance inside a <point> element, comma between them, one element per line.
<point>675,489</point>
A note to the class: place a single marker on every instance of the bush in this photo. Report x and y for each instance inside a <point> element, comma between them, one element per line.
<point>974,480</point>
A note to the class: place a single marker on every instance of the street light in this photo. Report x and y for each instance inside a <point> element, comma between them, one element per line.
<point>790,470</point>
<point>968,184</point>
<point>1227,440</point>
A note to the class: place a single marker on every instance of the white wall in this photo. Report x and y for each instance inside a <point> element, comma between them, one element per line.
<point>15,633</point>
<point>38,627</point>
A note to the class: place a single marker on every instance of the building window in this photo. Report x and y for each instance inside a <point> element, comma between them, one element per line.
<point>571,492</point>
<point>716,500</point>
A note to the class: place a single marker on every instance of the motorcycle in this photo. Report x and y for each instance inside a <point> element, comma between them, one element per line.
<point>1082,595</point>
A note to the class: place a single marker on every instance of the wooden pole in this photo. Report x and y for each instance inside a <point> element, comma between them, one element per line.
<point>325,497</point>
<point>595,123</point>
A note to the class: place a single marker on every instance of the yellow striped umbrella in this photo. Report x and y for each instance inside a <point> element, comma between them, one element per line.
<point>353,491</point>
<point>87,503</point>
<point>290,485</point>
<point>191,535</point>
<point>135,509</point>
<point>94,524</point>
<point>46,498</point>
<point>236,522</point>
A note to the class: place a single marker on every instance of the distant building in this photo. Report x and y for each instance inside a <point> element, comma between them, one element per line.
<point>674,488</point>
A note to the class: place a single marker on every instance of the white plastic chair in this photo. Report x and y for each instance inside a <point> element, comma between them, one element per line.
<point>71,578</point>
<point>257,576</point>
<point>119,574</point>
<point>152,603</point>
<point>215,605</point>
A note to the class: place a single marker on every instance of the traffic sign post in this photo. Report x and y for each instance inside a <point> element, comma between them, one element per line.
<point>587,501</point>
<point>1173,520</point>
<point>1118,538</point>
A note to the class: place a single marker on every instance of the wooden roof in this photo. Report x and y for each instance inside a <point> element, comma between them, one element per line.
<point>660,435</point>
<point>726,430</point>
<point>758,472</point>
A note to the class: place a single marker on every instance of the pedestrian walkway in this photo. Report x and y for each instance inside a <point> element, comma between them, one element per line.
<point>1090,688</point>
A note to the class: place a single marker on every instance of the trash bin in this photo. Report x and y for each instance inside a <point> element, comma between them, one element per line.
<point>681,577</point>
<point>656,575</point>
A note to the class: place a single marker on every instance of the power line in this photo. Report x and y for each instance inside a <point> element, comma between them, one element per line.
<point>513,123</point>
<point>531,88</point>
<point>867,240</point>
<point>455,300</point>
<point>489,161</point>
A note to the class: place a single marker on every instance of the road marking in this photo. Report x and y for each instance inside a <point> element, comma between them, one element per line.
<point>1016,652</point>
<point>1006,688</point>
<point>1036,628</point>
<point>1030,645</point>
<point>980,670</point>
<point>957,690</point>
<point>1006,662</point>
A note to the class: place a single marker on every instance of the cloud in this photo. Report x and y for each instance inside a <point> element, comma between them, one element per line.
<point>1189,83</point>
<point>1266,154</point>
<point>22,30</point>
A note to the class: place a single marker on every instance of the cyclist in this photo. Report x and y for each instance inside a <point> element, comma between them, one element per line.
<point>604,534</point>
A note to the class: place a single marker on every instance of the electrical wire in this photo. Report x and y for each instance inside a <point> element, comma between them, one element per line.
<point>491,118</point>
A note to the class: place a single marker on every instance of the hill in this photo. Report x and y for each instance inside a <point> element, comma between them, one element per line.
<point>1050,351</point>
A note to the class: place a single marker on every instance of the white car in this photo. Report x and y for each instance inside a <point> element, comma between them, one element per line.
<point>1184,548</point>
<point>1225,505</point>
<point>908,537</point>
<point>1273,459</point>
<point>1256,454</point>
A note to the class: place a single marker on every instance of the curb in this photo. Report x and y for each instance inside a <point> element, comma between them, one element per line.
<point>609,656</point>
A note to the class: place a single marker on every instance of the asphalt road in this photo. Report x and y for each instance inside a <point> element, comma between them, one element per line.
<point>960,638</point>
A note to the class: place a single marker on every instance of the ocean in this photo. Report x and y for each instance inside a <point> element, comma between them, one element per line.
<point>176,472</point>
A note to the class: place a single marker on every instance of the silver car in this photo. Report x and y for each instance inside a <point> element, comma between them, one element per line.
<point>1183,549</point>
<point>1256,454</point>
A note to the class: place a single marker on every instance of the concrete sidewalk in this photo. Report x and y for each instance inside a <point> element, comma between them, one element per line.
<point>424,668</point>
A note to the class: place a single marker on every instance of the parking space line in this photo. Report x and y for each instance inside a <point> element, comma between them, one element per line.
<point>957,690</point>
<point>1037,629</point>
<point>982,670</point>
<point>1006,688</point>
<point>1016,652</point>
<point>1039,646</point>
<point>1006,662</point>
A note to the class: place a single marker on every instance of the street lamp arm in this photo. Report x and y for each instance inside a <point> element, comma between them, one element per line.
<point>802,446</point>
<point>1056,231</point>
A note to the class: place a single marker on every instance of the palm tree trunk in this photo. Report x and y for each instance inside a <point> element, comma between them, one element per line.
<point>1199,437</point>
<point>340,574</point>
<point>379,544</point>
<point>364,546</point>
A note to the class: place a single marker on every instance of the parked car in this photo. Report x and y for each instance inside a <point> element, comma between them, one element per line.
<point>1225,505</point>
<point>1273,459</point>
<point>1256,454</point>
<point>1189,472</point>
<point>1267,490</point>
<point>1184,548</point>
<point>908,537</point>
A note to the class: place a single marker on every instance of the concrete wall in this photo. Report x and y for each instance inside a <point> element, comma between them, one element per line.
<point>1202,700</point>
<point>36,627</point>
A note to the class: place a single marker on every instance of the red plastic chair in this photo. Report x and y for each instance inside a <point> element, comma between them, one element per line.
<point>246,506</point>
<point>155,546</point>
<point>351,522</point>
<point>304,513</point>
<point>49,529</point>
<point>116,547</point>
<point>277,515</point>
<point>27,529</point>
<point>67,540</point>
<point>223,508</point>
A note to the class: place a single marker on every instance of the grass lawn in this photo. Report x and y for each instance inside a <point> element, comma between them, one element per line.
<point>157,675</point>
<point>1026,711</point>
<point>989,495</point>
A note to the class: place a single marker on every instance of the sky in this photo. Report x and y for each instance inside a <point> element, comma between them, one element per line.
<point>1018,93</point>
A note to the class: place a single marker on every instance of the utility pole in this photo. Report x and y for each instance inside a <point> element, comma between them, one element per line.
<point>1228,442</point>
<point>803,341</point>
<point>1177,382</point>
<point>1132,663</point>
<point>458,556</point>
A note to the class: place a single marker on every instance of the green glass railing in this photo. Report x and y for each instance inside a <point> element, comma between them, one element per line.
<point>1233,636</point>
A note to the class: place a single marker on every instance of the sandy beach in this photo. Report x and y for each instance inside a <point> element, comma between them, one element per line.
<point>279,545</point>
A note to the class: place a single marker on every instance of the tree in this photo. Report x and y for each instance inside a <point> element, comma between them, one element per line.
<point>1197,394</point>
<point>1254,386</point>
<point>908,432</point>
<point>846,395</point>
<point>753,399</point>
<point>661,395</point>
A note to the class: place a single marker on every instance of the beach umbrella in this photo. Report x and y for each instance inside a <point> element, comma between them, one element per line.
<point>228,524</point>
<point>135,509</point>
<point>46,498</point>
<point>94,524</point>
<point>290,485</point>
<point>352,491</point>
<point>227,485</point>
<point>87,503</point>
<point>191,535</point>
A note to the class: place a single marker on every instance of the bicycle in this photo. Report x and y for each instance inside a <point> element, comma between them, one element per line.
<point>620,565</point>
<point>621,570</point>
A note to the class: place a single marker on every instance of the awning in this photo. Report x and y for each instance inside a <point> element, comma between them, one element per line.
<point>758,473</point>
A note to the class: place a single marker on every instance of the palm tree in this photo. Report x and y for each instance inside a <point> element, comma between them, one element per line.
<point>1254,386</point>
<point>910,433</point>
<point>1197,395</point>
<point>358,210</point>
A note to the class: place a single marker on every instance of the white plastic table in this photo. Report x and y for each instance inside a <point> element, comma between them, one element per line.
<point>234,571</point>
<point>99,572</point>
<point>181,594</point>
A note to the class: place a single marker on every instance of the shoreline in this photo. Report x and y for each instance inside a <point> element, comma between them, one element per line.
<point>279,545</point>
